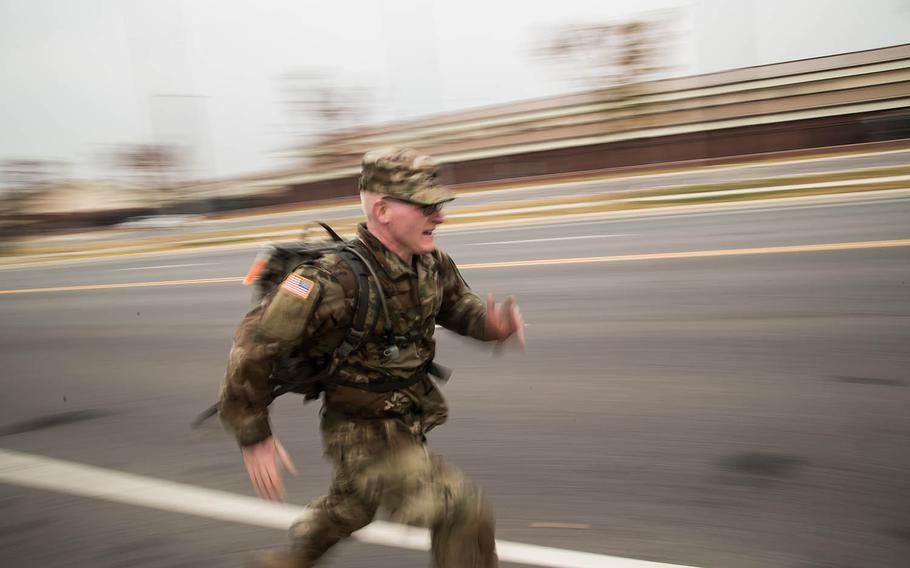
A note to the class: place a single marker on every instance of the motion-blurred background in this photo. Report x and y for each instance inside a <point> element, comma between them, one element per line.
<point>702,206</point>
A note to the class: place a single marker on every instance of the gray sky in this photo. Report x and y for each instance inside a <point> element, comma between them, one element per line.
<point>80,77</point>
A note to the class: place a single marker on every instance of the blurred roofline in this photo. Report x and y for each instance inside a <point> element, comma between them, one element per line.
<point>518,108</point>
<point>714,78</point>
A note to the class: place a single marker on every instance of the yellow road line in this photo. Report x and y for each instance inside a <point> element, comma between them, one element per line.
<point>123,285</point>
<point>692,254</point>
<point>517,263</point>
<point>548,525</point>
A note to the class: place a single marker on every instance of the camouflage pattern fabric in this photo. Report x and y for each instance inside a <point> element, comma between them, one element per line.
<point>402,173</point>
<point>430,291</point>
<point>377,465</point>
<point>375,440</point>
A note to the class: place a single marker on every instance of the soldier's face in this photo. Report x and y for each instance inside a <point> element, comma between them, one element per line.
<point>414,227</point>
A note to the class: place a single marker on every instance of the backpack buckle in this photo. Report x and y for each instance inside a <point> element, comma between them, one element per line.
<point>391,353</point>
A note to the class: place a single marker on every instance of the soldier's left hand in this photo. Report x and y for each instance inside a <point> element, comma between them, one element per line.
<point>264,462</point>
<point>504,321</point>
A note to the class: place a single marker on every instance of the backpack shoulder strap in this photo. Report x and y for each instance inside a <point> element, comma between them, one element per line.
<point>358,328</point>
<point>363,261</point>
<point>335,237</point>
<point>364,274</point>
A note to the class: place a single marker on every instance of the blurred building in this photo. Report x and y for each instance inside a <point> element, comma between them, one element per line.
<point>825,102</point>
<point>854,98</point>
<point>84,197</point>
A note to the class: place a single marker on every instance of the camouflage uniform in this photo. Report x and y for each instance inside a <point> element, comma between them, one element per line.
<point>374,440</point>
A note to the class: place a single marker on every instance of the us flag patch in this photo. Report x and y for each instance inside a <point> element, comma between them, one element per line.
<point>298,285</point>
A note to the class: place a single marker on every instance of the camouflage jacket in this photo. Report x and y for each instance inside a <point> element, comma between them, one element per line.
<point>315,306</point>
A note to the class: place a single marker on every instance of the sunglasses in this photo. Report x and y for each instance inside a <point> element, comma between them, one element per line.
<point>427,210</point>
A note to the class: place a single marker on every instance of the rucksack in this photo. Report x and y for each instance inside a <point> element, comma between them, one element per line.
<point>296,372</point>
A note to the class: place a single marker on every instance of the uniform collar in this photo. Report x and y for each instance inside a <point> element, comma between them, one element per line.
<point>390,262</point>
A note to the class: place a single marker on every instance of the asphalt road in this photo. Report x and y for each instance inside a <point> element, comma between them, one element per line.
<point>746,410</point>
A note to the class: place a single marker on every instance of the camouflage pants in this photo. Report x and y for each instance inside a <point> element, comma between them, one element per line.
<point>379,464</point>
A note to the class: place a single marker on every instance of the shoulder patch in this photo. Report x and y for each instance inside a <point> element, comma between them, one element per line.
<point>290,309</point>
<point>298,286</point>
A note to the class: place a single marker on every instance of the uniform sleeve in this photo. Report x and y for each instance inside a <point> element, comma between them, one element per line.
<point>462,311</point>
<point>309,301</point>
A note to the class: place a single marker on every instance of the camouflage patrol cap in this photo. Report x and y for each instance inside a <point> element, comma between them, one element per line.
<point>404,174</point>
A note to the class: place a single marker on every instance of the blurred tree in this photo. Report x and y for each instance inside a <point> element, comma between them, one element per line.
<point>23,178</point>
<point>318,103</point>
<point>609,55</point>
<point>156,166</point>
<point>21,181</point>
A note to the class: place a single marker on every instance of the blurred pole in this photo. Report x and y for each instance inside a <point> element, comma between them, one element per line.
<point>178,120</point>
<point>182,119</point>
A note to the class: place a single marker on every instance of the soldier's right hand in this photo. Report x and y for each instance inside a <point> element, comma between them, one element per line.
<point>505,321</point>
<point>263,462</point>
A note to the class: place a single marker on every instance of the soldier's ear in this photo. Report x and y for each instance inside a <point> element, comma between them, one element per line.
<point>381,211</point>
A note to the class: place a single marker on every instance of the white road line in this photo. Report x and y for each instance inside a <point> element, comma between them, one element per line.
<point>671,197</point>
<point>550,239</point>
<point>165,266</point>
<point>440,327</point>
<point>680,170</point>
<point>842,183</point>
<point>681,211</point>
<point>39,472</point>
